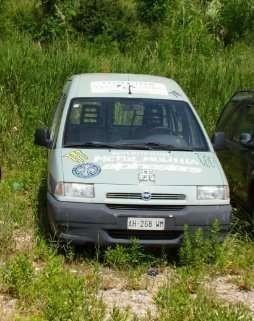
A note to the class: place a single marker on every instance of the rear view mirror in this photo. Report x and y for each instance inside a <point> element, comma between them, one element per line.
<point>218,140</point>
<point>42,137</point>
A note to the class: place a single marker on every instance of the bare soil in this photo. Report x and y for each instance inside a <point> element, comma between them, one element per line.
<point>7,308</point>
<point>230,292</point>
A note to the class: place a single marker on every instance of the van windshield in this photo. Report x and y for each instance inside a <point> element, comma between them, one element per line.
<point>133,124</point>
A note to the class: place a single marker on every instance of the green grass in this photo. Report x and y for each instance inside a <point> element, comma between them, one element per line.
<point>36,272</point>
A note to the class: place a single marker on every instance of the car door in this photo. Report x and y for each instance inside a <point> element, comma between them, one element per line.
<point>237,158</point>
<point>227,124</point>
<point>244,153</point>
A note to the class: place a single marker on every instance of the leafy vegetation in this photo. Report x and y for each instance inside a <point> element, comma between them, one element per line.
<point>131,256</point>
<point>178,301</point>
<point>206,46</point>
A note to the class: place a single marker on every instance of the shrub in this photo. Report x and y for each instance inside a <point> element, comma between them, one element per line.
<point>49,6</point>
<point>47,22</point>
<point>231,19</point>
<point>151,11</point>
<point>107,18</point>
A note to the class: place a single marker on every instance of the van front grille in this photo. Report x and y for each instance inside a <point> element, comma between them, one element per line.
<point>133,207</point>
<point>154,196</point>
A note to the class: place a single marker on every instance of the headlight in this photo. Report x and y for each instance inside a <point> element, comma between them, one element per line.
<point>74,190</point>
<point>213,192</point>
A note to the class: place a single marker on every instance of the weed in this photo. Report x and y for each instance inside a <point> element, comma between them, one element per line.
<point>57,294</point>
<point>245,281</point>
<point>178,301</point>
<point>237,255</point>
<point>125,256</point>
<point>17,275</point>
<point>201,247</point>
<point>118,315</point>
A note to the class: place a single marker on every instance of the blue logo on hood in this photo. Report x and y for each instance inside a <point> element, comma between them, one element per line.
<point>86,170</point>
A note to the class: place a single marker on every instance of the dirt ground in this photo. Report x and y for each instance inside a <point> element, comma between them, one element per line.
<point>7,308</point>
<point>140,301</point>
<point>136,294</point>
<point>228,291</point>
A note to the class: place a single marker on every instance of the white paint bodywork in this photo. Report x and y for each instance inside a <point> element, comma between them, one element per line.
<point>175,172</point>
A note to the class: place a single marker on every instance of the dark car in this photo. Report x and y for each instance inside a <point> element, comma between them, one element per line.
<point>234,142</point>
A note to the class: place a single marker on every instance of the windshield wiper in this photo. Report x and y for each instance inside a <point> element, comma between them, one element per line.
<point>168,146</point>
<point>152,146</point>
<point>144,146</point>
<point>92,144</point>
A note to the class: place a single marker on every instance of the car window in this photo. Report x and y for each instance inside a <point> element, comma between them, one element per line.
<point>232,114</point>
<point>246,121</point>
<point>228,118</point>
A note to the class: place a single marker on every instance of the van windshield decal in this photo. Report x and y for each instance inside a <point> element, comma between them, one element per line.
<point>133,124</point>
<point>137,87</point>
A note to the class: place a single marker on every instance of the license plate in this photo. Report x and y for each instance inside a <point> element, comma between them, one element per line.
<point>143,223</point>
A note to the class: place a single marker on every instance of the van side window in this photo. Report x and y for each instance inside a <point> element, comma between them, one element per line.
<point>57,119</point>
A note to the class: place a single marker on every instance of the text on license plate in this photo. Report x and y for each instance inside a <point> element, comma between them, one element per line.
<point>143,223</point>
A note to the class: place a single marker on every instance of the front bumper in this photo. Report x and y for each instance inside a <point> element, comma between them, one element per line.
<point>102,224</point>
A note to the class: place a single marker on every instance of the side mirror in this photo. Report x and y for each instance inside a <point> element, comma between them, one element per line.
<point>218,141</point>
<point>246,139</point>
<point>42,137</point>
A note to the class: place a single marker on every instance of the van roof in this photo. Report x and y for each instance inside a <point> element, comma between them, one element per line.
<point>125,85</point>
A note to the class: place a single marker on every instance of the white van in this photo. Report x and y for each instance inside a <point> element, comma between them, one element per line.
<point>129,158</point>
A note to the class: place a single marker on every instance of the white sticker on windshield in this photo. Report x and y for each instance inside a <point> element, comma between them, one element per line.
<point>126,87</point>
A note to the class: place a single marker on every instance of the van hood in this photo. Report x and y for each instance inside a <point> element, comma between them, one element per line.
<point>133,167</point>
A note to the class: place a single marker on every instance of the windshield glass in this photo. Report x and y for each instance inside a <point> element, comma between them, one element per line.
<point>137,123</point>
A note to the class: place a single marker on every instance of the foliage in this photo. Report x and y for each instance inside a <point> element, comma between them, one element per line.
<point>201,26</point>
<point>132,255</point>
<point>108,19</point>
<point>152,11</point>
<point>54,291</point>
<point>180,300</point>
<point>17,275</point>
<point>231,20</point>
<point>49,6</point>
<point>201,247</point>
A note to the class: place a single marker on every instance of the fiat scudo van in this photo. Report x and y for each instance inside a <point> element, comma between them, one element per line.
<point>129,158</point>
